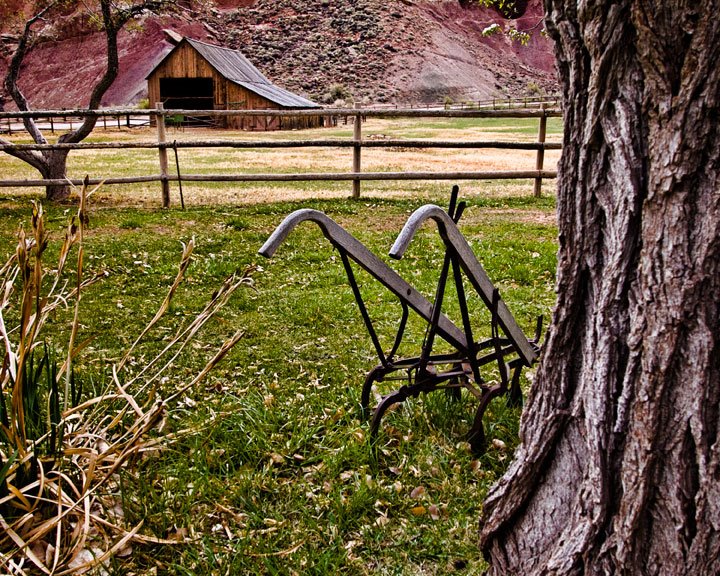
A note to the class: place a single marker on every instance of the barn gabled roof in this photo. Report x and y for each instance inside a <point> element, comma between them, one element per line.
<point>234,66</point>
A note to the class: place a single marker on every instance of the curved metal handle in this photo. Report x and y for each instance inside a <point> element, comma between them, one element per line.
<point>415,221</point>
<point>343,240</point>
<point>457,244</point>
<point>287,225</point>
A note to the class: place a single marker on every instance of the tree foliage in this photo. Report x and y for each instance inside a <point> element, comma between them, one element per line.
<point>508,8</point>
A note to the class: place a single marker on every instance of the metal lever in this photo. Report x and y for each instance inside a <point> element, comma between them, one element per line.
<point>345,242</point>
<point>456,242</point>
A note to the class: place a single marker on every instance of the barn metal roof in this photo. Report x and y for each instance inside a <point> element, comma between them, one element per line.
<point>235,67</point>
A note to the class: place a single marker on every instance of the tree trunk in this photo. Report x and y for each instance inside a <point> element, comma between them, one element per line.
<point>618,467</point>
<point>54,169</point>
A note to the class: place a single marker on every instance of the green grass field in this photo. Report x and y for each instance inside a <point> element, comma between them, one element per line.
<point>266,467</point>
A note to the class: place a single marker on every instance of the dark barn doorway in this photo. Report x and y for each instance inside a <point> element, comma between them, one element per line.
<point>187,93</point>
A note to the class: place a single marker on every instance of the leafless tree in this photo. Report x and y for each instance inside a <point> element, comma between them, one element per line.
<point>52,164</point>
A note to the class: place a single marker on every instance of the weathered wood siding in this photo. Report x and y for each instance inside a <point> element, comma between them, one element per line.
<point>186,62</point>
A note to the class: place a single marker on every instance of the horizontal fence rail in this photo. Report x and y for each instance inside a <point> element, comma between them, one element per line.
<point>357,143</point>
<point>303,177</point>
<point>548,101</point>
<point>336,112</point>
<point>333,143</point>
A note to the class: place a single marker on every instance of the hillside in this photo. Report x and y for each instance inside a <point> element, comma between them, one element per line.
<point>403,51</point>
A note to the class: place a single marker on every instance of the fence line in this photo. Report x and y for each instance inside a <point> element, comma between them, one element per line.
<point>330,112</point>
<point>550,100</point>
<point>357,143</point>
<point>330,143</point>
<point>303,177</point>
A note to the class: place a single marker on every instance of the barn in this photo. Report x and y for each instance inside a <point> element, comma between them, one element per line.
<point>195,75</point>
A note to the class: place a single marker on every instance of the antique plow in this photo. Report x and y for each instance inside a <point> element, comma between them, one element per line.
<point>508,348</point>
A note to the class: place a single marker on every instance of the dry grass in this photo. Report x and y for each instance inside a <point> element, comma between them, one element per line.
<point>60,499</point>
<point>107,163</point>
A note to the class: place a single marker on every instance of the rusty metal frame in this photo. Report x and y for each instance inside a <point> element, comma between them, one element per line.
<point>508,347</point>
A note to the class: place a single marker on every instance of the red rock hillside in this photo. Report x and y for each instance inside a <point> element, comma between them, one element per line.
<point>405,51</point>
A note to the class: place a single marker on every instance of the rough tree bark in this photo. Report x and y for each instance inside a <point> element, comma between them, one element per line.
<point>52,164</point>
<point>618,470</point>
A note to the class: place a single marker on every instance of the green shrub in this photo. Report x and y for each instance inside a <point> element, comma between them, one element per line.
<point>338,92</point>
<point>533,89</point>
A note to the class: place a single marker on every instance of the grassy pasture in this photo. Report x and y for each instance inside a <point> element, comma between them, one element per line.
<point>123,163</point>
<point>266,467</point>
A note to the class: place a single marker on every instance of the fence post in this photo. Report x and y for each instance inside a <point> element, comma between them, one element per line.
<point>357,148</point>
<point>537,190</point>
<point>160,118</point>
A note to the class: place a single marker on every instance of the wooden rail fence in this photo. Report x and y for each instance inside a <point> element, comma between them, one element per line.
<point>357,143</point>
<point>547,101</point>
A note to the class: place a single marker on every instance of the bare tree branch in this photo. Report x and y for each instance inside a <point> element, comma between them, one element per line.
<point>113,21</point>
<point>52,163</point>
<point>11,78</point>
<point>32,157</point>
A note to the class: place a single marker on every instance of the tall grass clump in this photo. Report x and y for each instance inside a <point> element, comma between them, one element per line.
<point>62,448</point>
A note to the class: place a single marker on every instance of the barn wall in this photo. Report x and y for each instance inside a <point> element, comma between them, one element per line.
<point>240,98</point>
<point>186,62</point>
<point>183,62</point>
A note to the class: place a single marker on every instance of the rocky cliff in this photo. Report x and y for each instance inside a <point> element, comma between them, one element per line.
<point>374,51</point>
